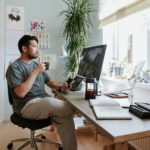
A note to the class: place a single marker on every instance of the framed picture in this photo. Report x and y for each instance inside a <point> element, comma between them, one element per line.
<point>15,18</point>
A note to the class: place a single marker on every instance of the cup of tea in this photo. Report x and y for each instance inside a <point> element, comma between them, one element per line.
<point>46,65</point>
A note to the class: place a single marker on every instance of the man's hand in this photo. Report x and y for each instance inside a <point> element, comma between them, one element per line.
<point>64,88</point>
<point>40,68</point>
<point>22,89</point>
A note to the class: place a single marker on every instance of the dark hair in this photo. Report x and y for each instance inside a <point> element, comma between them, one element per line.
<point>25,41</point>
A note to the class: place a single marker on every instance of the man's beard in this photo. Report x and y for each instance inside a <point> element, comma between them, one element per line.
<point>33,56</point>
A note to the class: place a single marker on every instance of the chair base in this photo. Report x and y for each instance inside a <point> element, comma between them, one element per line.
<point>32,141</point>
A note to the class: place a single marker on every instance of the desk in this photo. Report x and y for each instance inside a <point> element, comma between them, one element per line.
<point>116,130</point>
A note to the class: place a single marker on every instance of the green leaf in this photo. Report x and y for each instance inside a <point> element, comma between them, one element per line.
<point>77,27</point>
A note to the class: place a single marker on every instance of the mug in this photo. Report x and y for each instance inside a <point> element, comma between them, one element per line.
<point>47,64</point>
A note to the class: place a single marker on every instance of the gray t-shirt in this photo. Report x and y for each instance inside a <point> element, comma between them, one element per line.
<point>17,73</point>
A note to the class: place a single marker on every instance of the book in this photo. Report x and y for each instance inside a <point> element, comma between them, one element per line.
<point>107,108</point>
<point>124,102</point>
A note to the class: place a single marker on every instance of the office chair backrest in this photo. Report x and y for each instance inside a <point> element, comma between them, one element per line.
<point>9,95</point>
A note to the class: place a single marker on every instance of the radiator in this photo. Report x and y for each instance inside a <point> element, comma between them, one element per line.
<point>141,144</point>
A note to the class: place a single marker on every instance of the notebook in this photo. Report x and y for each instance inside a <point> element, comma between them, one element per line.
<point>107,108</point>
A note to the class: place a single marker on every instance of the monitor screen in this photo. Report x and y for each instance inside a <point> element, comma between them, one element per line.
<point>91,64</point>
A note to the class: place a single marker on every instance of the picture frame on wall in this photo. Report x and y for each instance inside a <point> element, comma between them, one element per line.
<point>15,18</point>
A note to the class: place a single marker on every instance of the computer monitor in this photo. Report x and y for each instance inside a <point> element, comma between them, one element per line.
<point>90,65</point>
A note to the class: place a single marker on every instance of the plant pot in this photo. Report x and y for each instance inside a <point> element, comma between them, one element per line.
<point>75,86</point>
<point>78,88</point>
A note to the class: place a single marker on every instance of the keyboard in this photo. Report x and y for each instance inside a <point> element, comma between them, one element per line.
<point>145,106</point>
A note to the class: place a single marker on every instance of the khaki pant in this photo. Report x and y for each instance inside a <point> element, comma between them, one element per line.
<point>60,112</point>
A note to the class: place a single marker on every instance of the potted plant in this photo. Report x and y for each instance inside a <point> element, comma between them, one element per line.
<point>77,27</point>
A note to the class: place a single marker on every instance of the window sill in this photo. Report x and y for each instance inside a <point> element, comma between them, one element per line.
<point>121,81</point>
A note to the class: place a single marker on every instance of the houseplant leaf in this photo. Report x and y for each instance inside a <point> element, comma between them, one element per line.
<point>77,27</point>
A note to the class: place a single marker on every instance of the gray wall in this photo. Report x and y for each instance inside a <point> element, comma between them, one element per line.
<point>48,10</point>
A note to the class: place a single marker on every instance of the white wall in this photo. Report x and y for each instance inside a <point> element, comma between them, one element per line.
<point>2,6</point>
<point>96,35</point>
<point>47,10</point>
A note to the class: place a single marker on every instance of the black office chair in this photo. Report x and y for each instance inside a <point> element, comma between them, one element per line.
<point>32,125</point>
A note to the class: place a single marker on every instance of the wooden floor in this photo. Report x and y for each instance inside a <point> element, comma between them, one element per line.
<point>8,131</point>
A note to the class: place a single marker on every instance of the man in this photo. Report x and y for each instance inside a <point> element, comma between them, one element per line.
<point>27,80</point>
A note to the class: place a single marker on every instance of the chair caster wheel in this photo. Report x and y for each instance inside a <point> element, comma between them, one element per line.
<point>10,146</point>
<point>60,148</point>
<point>43,137</point>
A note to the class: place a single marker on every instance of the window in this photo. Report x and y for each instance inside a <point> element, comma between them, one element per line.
<point>128,38</point>
<point>108,7</point>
